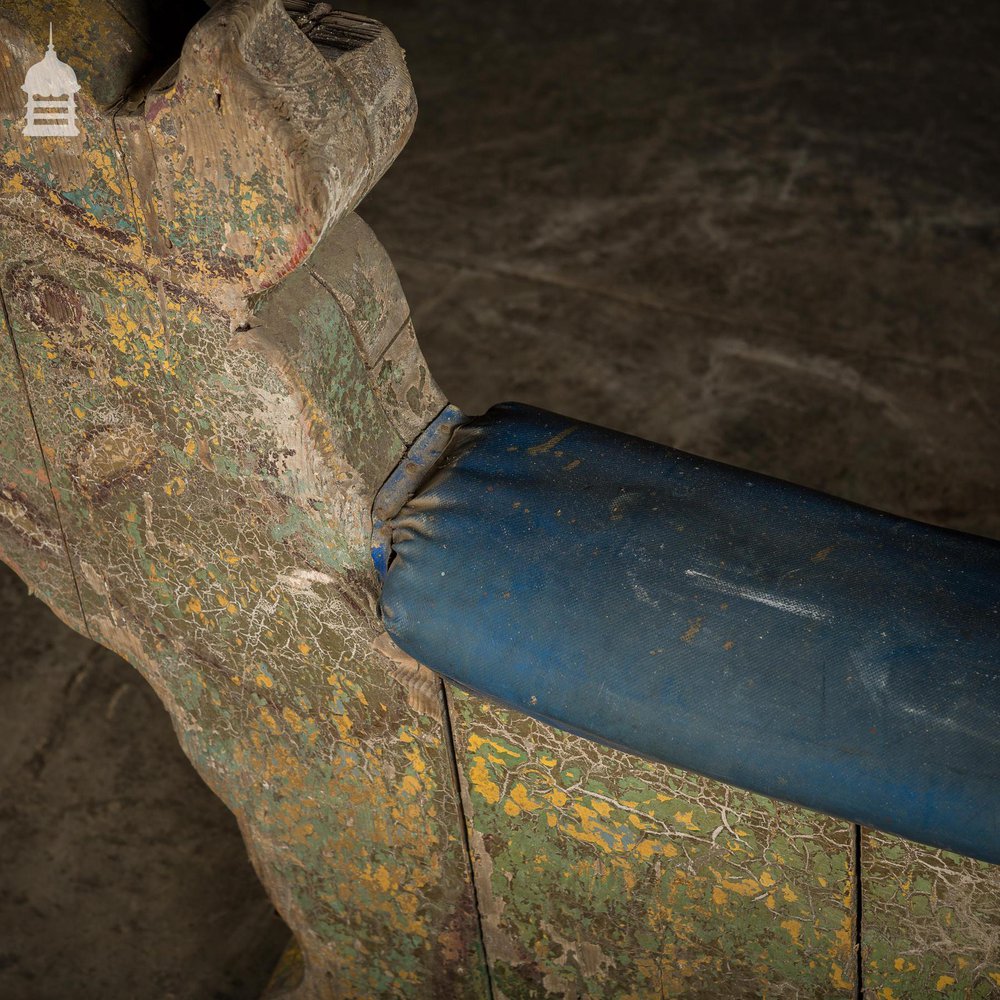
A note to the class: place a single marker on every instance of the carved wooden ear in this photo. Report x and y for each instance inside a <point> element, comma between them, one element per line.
<point>264,138</point>
<point>269,128</point>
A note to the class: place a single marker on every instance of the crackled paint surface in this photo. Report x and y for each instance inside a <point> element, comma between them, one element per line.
<point>221,369</point>
<point>931,922</point>
<point>32,540</point>
<point>212,453</point>
<point>600,875</point>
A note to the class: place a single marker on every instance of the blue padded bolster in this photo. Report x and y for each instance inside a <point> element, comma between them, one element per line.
<point>756,632</point>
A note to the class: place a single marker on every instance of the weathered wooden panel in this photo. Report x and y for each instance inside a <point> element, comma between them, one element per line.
<point>214,457</point>
<point>604,876</point>
<point>930,921</point>
<point>30,535</point>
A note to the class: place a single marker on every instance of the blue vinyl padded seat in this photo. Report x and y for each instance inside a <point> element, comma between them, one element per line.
<point>710,618</point>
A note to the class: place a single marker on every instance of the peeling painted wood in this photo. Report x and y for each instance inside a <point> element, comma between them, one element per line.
<point>30,534</point>
<point>214,436</point>
<point>222,370</point>
<point>602,875</point>
<point>931,922</point>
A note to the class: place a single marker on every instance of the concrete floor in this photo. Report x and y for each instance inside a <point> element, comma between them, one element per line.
<point>765,232</point>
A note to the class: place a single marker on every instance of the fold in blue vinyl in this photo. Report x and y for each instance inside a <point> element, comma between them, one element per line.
<point>756,632</point>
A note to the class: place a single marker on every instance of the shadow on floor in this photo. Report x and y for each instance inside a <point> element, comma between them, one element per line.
<point>121,874</point>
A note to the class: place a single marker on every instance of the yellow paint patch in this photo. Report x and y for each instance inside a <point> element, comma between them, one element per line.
<point>794,928</point>
<point>687,818</point>
<point>293,719</point>
<point>344,726</point>
<point>475,742</point>
<point>746,887</point>
<point>270,721</point>
<point>588,835</point>
<point>519,795</point>
<point>838,980</point>
<point>479,775</point>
